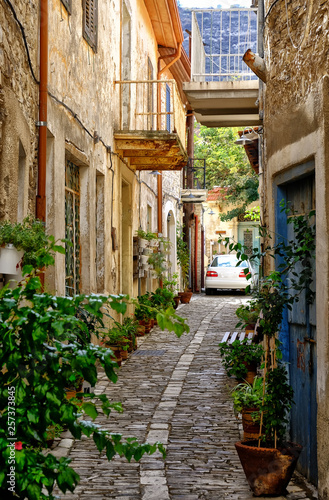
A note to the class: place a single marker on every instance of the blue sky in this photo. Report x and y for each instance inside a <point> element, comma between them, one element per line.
<point>205,4</point>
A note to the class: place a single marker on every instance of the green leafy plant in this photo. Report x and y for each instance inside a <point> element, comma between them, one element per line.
<point>162,298</point>
<point>237,355</point>
<point>276,406</point>
<point>276,293</point>
<point>247,314</point>
<point>44,346</point>
<point>246,396</point>
<point>159,258</point>
<point>30,236</point>
<point>183,256</point>
<point>227,166</point>
<point>143,309</point>
<point>146,235</point>
<point>171,283</point>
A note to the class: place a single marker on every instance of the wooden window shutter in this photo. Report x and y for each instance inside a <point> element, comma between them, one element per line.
<point>90,8</point>
<point>68,5</point>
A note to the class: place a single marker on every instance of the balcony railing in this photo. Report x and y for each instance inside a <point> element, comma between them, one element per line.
<point>220,37</point>
<point>151,105</point>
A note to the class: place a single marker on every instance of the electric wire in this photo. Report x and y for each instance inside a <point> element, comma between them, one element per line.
<point>24,40</point>
<point>307,25</point>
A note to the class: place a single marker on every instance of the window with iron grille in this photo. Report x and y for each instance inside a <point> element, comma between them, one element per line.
<point>72,229</point>
<point>89,31</point>
<point>68,5</point>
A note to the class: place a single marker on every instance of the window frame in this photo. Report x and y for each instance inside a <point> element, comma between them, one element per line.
<point>90,33</point>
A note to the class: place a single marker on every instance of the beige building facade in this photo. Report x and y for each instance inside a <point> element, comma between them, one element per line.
<point>104,136</point>
<point>296,158</point>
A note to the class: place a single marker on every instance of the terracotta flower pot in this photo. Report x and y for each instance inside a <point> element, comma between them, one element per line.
<point>123,354</point>
<point>176,300</point>
<point>250,428</point>
<point>185,297</point>
<point>251,373</point>
<point>268,470</point>
<point>140,331</point>
<point>117,354</point>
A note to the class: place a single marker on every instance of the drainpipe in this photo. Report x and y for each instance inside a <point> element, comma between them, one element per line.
<point>176,56</point>
<point>159,179</point>
<point>256,64</point>
<point>202,257</point>
<point>196,255</point>
<point>43,94</point>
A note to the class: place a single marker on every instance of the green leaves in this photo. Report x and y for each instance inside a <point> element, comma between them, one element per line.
<point>45,351</point>
<point>90,409</point>
<point>236,355</point>
<point>227,166</point>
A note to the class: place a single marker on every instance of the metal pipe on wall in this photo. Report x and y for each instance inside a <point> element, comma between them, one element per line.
<point>43,96</point>
<point>196,238</point>
<point>202,257</point>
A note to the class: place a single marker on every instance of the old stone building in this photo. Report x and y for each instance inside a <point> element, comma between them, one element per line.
<point>116,112</point>
<point>295,169</point>
<point>18,110</point>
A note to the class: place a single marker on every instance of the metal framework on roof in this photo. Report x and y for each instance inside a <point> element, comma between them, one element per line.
<point>223,92</point>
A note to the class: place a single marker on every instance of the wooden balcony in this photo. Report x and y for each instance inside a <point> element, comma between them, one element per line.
<point>152,125</point>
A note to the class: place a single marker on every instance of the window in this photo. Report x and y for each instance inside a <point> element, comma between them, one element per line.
<point>21,183</point>
<point>68,5</point>
<point>72,229</point>
<point>90,22</point>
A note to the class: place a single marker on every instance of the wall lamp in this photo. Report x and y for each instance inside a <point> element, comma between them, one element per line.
<point>209,210</point>
<point>248,136</point>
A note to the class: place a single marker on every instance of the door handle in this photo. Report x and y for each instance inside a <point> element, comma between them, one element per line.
<point>311,341</point>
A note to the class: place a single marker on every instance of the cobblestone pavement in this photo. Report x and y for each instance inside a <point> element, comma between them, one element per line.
<point>174,391</point>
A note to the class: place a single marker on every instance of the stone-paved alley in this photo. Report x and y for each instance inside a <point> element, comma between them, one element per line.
<point>175,391</point>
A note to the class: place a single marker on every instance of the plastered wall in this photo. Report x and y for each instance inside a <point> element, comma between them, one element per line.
<point>296,131</point>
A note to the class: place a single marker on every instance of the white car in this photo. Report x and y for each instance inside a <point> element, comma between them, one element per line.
<point>224,273</point>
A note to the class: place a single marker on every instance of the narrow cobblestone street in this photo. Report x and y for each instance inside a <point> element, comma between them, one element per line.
<point>174,391</point>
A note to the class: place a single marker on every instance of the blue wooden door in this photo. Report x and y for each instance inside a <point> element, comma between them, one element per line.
<point>299,338</point>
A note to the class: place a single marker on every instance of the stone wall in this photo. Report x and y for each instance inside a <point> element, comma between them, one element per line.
<point>18,109</point>
<point>296,127</point>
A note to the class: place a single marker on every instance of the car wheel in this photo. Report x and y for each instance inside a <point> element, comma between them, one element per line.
<point>208,291</point>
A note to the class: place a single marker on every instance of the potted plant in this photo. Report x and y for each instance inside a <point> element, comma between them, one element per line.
<point>145,237</point>
<point>183,259</point>
<point>247,402</point>
<point>22,243</point>
<point>248,315</point>
<point>143,312</point>
<point>269,462</point>
<point>159,258</point>
<point>241,359</point>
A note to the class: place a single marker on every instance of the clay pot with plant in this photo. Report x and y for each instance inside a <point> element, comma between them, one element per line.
<point>269,461</point>
<point>247,402</point>
<point>183,259</point>
<point>241,359</point>
<point>248,315</point>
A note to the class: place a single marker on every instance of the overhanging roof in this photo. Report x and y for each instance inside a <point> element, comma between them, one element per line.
<point>166,22</point>
<point>224,104</point>
<point>252,151</point>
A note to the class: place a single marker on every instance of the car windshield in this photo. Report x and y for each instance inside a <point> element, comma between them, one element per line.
<point>227,262</point>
